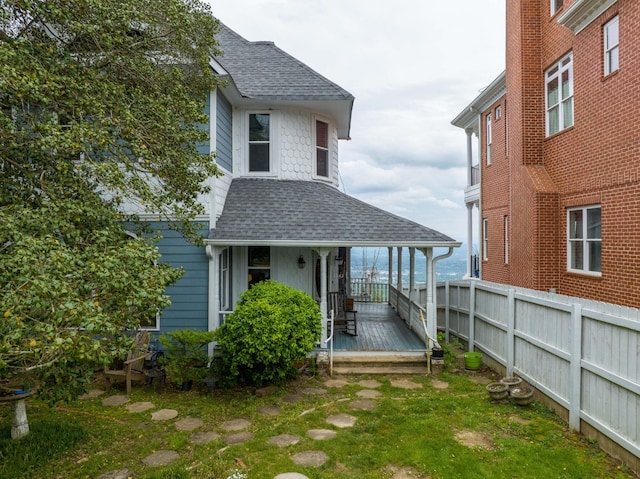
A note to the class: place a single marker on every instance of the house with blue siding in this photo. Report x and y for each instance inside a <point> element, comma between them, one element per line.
<point>277,211</point>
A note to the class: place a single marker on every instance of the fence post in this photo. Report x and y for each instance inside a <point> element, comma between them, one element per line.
<point>446,311</point>
<point>511,327</point>
<point>575,399</point>
<point>472,314</point>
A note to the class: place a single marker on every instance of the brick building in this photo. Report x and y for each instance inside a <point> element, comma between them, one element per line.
<point>554,155</point>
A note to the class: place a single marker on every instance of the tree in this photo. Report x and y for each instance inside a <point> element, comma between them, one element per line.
<point>101,105</point>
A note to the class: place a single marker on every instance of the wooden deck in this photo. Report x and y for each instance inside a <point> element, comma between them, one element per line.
<point>379,329</point>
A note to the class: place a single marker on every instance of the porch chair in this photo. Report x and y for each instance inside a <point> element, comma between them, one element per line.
<point>132,367</point>
<point>344,319</point>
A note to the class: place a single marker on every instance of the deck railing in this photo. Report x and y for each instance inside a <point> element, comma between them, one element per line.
<point>363,290</point>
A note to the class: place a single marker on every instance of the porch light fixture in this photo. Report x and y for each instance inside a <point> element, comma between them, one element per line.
<point>301,262</point>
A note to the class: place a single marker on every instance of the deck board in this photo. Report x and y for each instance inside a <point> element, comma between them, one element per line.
<point>379,329</point>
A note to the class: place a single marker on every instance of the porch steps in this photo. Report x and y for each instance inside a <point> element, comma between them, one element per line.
<point>376,363</point>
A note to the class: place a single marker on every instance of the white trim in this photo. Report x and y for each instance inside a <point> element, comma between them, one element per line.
<point>561,104</point>
<point>584,241</point>
<point>608,49</point>
<point>485,238</point>
<point>582,12</point>
<point>314,120</point>
<point>489,134</point>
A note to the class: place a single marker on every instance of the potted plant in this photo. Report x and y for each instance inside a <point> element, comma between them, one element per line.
<point>186,358</point>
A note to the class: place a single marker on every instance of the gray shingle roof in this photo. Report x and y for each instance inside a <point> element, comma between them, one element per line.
<point>263,71</point>
<point>288,212</point>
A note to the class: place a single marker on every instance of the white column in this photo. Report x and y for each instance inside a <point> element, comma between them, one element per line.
<point>469,133</point>
<point>390,250</point>
<point>412,282</point>
<point>323,252</point>
<point>399,270</point>
<point>432,327</point>
<point>213,304</point>
<point>469,239</point>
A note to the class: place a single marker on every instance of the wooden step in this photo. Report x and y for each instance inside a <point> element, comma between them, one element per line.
<point>408,364</point>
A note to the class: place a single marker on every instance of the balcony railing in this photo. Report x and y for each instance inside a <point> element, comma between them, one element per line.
<point>362,289</point>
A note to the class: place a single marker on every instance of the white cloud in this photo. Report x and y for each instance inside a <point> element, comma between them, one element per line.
<point>412,67</point>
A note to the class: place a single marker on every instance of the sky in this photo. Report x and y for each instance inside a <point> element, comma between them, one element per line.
<point>412,66</point>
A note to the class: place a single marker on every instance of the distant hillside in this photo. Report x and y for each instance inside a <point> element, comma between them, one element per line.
<point>365,259</point>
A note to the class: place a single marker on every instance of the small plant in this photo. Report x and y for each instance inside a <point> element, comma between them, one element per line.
<point>185,356</point>
<point>273,326</point>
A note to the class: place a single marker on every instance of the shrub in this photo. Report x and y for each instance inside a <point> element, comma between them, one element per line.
<point>273,326</point>
<point>186,355</point>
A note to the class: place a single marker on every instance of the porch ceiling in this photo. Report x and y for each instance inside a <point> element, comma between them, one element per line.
<point>306,213</point>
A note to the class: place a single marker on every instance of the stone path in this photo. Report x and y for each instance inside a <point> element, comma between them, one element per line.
<point>237,431</point>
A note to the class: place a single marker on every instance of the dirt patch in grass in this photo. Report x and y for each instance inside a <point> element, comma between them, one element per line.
<point>393,472</point>
<point>474,439</point>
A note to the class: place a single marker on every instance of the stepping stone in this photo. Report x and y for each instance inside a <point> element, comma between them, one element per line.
<point>368,393</point>
<point>313,391</point>
<point>291,398</point>
<point>164,415</point>
<point>140,406</point>
<point>310,458</point>
<point>284,440</point>
<point>189,424</point>
<point>364,404</point>
<point>203,437</point>
<point>91,394</point>
<point>436,383</point>
<point>235,425</point>
<point>291,475</point>
<point>370,383</point>
<point>336,383</point>
<point>269,410</point>
<point>405,384</point>
<point>238,438</point>
<point>160,458</point>
<point>115,400</point>
<point>342,420</point>
<point>119,474</point>
<point>266,391</point>
<point>321,434</point>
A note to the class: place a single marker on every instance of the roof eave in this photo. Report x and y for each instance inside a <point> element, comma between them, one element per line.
<point>496,89</point>
<point>333,243</point>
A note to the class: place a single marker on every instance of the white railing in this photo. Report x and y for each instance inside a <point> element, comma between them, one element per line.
<point>576,352</point>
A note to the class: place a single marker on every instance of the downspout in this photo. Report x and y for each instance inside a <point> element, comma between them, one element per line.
<point>435,289</point>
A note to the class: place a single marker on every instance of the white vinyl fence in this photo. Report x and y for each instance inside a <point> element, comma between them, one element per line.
<point>585,355</point>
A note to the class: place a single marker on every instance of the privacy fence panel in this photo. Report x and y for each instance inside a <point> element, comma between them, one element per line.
<point>585,355</point>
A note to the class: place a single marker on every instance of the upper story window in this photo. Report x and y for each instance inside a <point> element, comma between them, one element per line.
<point>555,6</point>
<point>559,95</point>
<point>498,112</point>
<point>584,239</point>
<point>322,148</point>
<point>259,142</point>
<point>611,47</point>
<point>485,239</point>
<point>489,139</point>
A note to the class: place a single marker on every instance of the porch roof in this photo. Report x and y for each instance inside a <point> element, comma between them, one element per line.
<point>261,211</point>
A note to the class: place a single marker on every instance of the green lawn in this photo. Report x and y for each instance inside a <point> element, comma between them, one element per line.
<point>427,432</point>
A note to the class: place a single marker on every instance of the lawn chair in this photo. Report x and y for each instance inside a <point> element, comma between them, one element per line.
<point>133,366</point>
<point>344,319</point>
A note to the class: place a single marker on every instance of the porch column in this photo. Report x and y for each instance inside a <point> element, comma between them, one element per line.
<point>470,239</point>
<point>323,253</point>
<point>390,251</point>
<point>399,270</point>
<point>412,282</point>
<point>469,133</point>
<point>432,327</point>
<point>213,304</point>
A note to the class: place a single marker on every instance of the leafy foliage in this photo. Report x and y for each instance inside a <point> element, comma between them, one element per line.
<point>185,354</point>
<point>101,105</point>
<point>272,326</point>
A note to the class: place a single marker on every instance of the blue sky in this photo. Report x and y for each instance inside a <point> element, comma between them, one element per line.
<point>412,66</point>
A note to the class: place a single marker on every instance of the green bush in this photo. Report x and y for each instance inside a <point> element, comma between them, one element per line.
<point>185,354</point>
<point>273,326</point>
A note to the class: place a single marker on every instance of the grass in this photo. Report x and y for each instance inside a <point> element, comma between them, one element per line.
<point>413,430</point>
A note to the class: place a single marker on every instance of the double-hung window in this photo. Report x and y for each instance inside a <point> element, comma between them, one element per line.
<point>259,142</point>
<point>489,139</point>
<point>584,239</point>
<point>485,239</point>
<point>259,264</point>
<point>559,95</point>
<point>611,46</point>
<point>322,148</point>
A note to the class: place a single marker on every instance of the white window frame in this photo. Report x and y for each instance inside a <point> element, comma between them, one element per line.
<point>580,239</point>
<point>258,268</point>
<point>506,239</point>
<point>498,112</point>
<point>225,280</point>
<point>317,120</point>
<point>250,142</point>
<point>489,138</point>
<point>611,45</point>
<point>555,5</point>
<point>564,102</point>
<point>485,239</point>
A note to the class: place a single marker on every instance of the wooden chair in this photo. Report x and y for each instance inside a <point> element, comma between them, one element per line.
<point>133,366</point>
<point>344,319</point>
